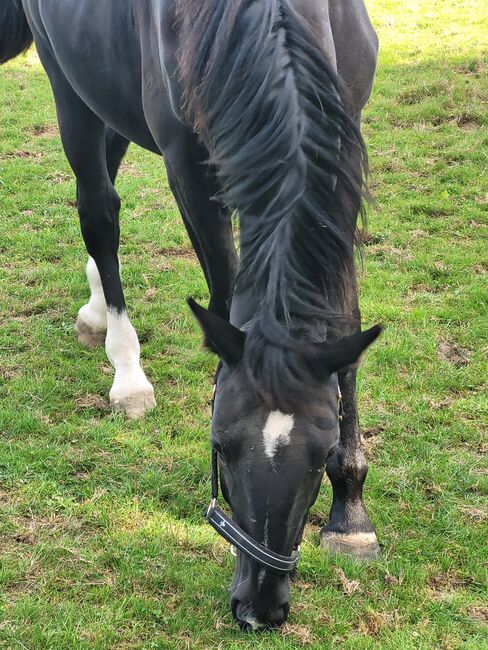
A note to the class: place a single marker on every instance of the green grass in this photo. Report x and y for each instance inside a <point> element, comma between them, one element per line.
<point>102,543</point>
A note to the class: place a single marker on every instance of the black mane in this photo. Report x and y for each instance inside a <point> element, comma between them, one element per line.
<point>263,97</point>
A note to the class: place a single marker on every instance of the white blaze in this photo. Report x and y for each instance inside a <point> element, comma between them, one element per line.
<point>277,431</point>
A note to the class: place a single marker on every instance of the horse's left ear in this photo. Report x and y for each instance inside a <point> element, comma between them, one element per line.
<point>343,352</point>
<point>219,335</point>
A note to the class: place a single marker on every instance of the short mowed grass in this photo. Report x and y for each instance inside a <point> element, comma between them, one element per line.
<point>102,541</point>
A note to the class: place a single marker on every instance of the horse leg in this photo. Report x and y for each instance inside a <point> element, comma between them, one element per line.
<point>207,222</point>
<point>83,135</point>
<point>349,530</point>
<point>91,324</point>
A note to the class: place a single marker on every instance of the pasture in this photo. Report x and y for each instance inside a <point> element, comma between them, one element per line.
<point>102,540</point>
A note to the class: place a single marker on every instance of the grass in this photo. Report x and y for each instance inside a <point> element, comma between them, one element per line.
<point>101,535</point>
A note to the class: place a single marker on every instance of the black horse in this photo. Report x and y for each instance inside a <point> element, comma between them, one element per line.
<point>243,100</point>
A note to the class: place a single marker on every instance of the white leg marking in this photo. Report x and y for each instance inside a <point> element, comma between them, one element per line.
<point>94,313</point>
<point>131,392</point>
<point>277,431</point>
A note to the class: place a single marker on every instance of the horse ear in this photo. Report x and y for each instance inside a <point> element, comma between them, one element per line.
<point>219,335</point>
<point>344,352</point>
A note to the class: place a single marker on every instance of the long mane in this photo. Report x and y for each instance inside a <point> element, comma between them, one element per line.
<point>260,91</point>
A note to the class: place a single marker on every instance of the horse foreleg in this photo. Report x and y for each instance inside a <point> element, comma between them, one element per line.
<point>91,324</point>
<point>349,530</point>
<point>84,139</point>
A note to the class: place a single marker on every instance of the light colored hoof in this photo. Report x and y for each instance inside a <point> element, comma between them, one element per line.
<point>88,336</point>
<point>362,546</point>
<point>134,406</point>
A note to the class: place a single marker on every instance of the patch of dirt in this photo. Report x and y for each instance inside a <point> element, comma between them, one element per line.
<point>92,402</point>
<point>475,514</point>
<point>348,587</point>
<point>454,354</point>
<point>32,310</point>
<point>161,264</point>
<point>392,580</point>
<point>439,405</point>
<point>480,269</point>
<point>420,288</point>
<point>131,168</point>
<point>45,130</point>
<point>479,613</point>
<point>301,633</point>
<point>368,239</point>
<point>372,623</point>
<point>59,177</point>
<point>317,519</point>
<point>468,122</point>
<point>384,251</point>
<point>180,252</point>
<point>10,373</point>
<point>21,153</point>
<point>371,437</point>
<point>443,586</point>
<point>475,68</point>
<point>28,529</point>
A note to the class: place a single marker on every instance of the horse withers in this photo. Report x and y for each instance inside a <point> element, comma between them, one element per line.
<point>255,106</point>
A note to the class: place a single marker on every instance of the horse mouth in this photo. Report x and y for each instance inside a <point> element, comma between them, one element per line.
<point>248,621</point>
<point>252,625</point>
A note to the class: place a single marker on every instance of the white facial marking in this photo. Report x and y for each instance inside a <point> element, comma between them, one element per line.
<point>277,431</point>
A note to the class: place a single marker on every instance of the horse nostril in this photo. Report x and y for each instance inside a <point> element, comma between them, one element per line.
<point>276,617</point>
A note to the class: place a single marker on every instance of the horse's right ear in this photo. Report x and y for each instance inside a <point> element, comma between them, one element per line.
<point>219,335</point>
<point>336,355</point>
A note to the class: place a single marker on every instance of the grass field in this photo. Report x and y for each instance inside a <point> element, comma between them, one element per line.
<point>102,542</point>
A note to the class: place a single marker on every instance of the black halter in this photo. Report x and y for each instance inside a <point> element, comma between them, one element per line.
<point>236,536</point>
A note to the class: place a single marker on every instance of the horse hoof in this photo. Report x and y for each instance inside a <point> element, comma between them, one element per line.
<point>88,336</point>
<point>134,406</point>
<point>361,546</point>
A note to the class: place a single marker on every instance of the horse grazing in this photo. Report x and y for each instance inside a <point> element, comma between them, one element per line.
<point>255,106</point>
